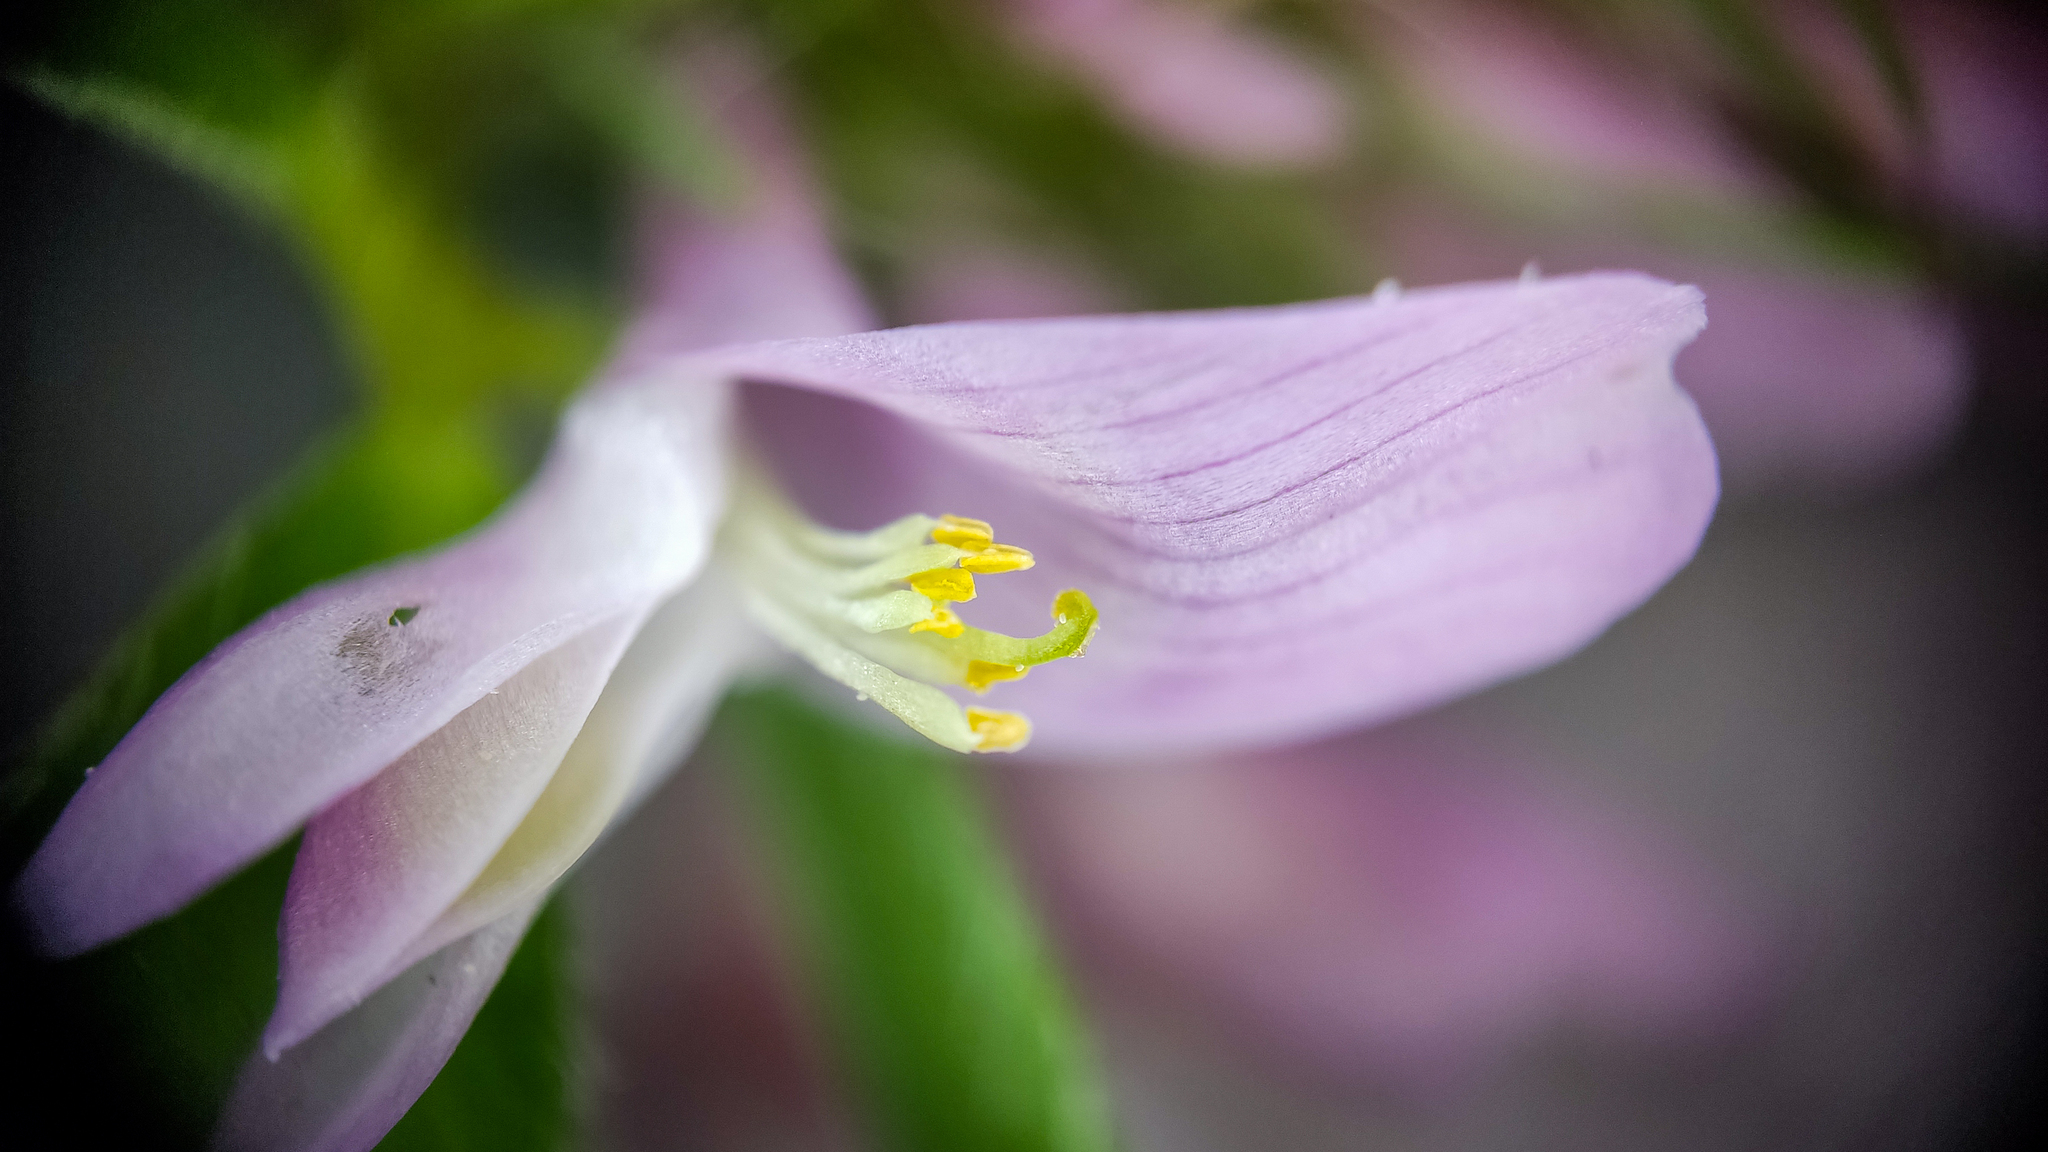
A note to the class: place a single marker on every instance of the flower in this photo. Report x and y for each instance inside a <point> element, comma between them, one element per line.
<point>1447,897</point>
<point>1295,520</point>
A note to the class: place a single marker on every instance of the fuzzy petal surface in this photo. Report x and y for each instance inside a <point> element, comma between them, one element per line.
<point>348,1084</point>
<point>652,710</point>
<point>383,862</point>
<point>322,693</point>
<point>1293,519</point>
<point>759,269</point>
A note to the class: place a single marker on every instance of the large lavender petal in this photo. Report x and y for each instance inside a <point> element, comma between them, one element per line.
<point>344,1087</point>
<point>325,691</point>
<point>1293,519</point>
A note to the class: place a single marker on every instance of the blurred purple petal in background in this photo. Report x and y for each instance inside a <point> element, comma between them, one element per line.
<point>1817,372</point>
<point>1404,907</point>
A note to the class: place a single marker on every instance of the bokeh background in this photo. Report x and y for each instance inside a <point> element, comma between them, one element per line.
<point>1762,868</point>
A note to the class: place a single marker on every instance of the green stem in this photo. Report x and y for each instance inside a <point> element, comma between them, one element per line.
<point>951,1015</point>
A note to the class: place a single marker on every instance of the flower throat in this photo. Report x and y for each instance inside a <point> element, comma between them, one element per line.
<point>873,610</point>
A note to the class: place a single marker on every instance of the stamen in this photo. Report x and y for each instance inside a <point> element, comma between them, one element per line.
<point>982,675</point>
<point>942,621</point>
<point>828,591</point>
<point>870,610</point>
<point>998,558</point>
<point>903,565</point>
<point>944,584</point>
<point>961,532</point>
<point>927,710</point>
<point>998,731</point>
<point>852,547</point>
<point>951,660</point>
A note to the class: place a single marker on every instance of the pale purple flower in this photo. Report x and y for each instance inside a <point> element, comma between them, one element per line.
<point>1404,907</point>
<point>1293,520</point>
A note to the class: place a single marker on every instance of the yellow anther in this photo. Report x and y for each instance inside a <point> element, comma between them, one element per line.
<point>963,533</point>
<point>998,558</point>
<point>944,622</point>
<point>998,731</point>
<point>944,584</point>
<point>982,673</point>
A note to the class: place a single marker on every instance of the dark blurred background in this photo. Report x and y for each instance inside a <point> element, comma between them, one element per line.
<point>164,361</point>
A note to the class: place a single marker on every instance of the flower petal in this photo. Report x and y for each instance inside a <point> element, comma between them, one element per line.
<point>325,691</point>
<point>646,721</point>
<point>1292,519</point>
<point>1444,898</point>
<point>385,861</point>
<point>764,268</point>
<point>1987,107</point>
<point>344,1087</point>
<point>1811,377</point>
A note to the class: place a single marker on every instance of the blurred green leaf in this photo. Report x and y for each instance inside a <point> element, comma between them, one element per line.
<point>437,328</point>
<point>144,118</point>
<point>954,1022</point>
<point>902,96</point>
<point>648,119</point>
<point>361,146</point>
<point>1877,26</point>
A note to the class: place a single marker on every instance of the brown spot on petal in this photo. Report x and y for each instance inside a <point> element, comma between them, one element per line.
<point>378,656</point>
